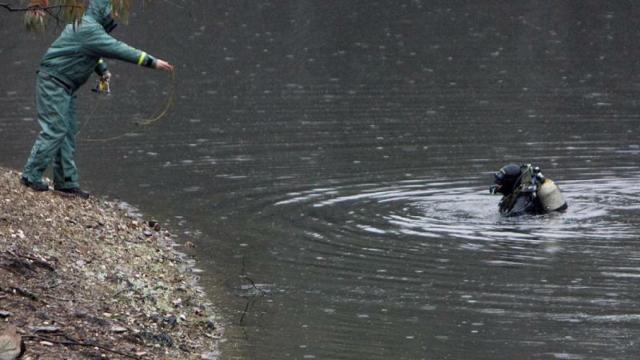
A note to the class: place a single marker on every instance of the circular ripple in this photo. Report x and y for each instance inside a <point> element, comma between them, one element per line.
<point>437,252</point>
<point>438,209</point>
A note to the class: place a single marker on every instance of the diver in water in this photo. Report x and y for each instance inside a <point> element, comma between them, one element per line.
<point>526,191</point>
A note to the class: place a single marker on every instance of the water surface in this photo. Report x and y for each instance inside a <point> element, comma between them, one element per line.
<point>330,160</point>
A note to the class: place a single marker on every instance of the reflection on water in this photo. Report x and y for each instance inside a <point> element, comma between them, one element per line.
<point>330,161</point>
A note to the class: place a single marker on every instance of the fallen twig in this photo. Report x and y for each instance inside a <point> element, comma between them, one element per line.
<point>73,342</point>
<point>253,298</point>
<point>16,265</point>
<point>22,292</point>
<point>38,262</point>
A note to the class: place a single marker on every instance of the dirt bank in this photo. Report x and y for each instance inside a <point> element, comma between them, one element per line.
<point>86,279</point>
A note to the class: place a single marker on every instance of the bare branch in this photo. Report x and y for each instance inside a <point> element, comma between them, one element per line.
<point>35,13</point>
<point>38,7</point>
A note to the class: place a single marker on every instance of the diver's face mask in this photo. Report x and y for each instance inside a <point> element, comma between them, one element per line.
<point>110,24</point>
<point>505,179</point>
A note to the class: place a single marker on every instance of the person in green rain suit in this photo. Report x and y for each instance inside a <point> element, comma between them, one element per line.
<point>67,65</point>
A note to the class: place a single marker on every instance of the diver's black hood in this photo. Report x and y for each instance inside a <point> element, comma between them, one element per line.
<point>507,179</point>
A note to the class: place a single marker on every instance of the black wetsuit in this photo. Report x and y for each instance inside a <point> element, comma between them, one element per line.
<point>520,203</point>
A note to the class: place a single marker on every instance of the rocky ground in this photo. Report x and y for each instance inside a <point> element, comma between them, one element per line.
<point>86,279</point>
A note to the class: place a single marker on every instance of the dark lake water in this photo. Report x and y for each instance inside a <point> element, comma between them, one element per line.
<point>330,160</point>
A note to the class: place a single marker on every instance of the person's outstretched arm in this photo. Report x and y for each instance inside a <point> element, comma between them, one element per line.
<point>102,45</point>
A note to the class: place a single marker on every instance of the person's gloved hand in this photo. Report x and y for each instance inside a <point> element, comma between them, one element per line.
<point>163,65</point>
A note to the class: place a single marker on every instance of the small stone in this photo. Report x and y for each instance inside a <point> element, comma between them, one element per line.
<point>45,329</point>
<point>147,233</point>
<point>46,343</point>
<point>171,320</point>
<point>118,329</point>
<point>10,343</point>
<point>154,225</point>
<point>5,314</point>
<point>209,356</point>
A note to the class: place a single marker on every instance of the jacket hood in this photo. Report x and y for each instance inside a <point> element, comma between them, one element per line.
<point>100,10</point>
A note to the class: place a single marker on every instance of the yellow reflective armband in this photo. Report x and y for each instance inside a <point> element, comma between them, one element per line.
<point>142,57</point>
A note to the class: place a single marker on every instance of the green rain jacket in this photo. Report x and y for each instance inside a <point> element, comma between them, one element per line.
<point>79,50</point>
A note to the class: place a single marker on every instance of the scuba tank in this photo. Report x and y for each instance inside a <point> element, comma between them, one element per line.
<point>546,191</point>
<point>550,196</point>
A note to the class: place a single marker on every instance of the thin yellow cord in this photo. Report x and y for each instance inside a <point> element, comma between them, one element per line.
<point>145,122</point>
<point>169,104</point>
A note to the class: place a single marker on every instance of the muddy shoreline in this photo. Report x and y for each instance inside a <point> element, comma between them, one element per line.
<point>91,279</point>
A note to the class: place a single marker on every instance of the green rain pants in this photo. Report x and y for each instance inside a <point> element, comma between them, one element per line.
<point>56,142</point>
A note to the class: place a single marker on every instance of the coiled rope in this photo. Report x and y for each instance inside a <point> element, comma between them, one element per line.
<point>171,99</point>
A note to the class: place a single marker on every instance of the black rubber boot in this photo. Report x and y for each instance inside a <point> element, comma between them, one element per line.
<point>36,186</point>
<point>74,192</point>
